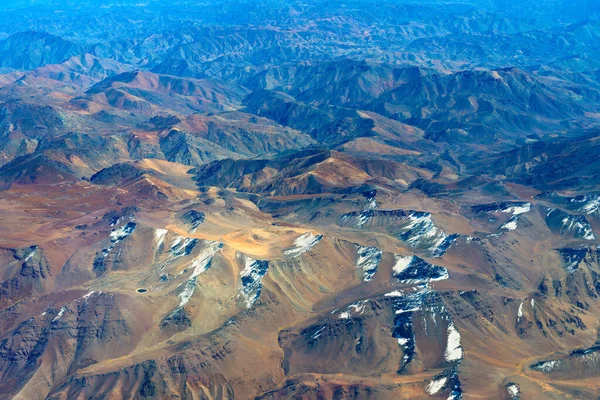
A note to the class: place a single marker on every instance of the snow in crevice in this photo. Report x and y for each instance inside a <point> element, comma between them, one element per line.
<point>426,305</point>
<point>60,314</point>
<point>203,260</point>
<point>318,332</point>
<point>371,204</point>
<point>509,207</point>
<point>188,291</point>
<point>182,246</point>
<point>447,381</point>
<point>520,312</point>
<point>302,244</point>
<point>344,315</point>
<point>402,262</point>
<point>573,257</point>
<point>117,235</point>
<point>201,263</point>
<point>582,227</point>
<point>87,296</point>
<point>30,254</point>
<point>251,277</point>
<point>454,351</point>
<point>404,307</point>
<point>368,259</point>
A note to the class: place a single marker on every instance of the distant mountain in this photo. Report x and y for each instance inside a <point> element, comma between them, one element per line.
<point>30,50</point>
<point>552,164</point>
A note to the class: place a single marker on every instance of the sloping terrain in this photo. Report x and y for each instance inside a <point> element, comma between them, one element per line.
<point>299,200</point>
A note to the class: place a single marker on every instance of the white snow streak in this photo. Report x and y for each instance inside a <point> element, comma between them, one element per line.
<point>454,350</point>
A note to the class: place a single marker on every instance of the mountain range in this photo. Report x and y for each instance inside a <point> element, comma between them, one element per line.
<point>299,199</point>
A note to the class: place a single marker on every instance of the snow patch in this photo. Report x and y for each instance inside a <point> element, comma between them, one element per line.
<point>302,244</point>
<point>518,209</point>
<point>454,351</point>
<point>395,293</point>
<point>402,262</point>
<point>511,224</point>
<point>122,233</point>
<point>436,385</point>
<point>159,236</point>
<point>513,391</point>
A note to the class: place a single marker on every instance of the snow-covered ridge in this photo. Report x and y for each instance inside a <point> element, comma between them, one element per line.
<point>583,203</point>
<point>354,308</point>
<point>428,306</point>
<point>117,235</point>
<point>573,257</point>
<point>421,232</point>
<point>512,207</point>
<point>302,244</point>
<point>251,276</point>
<point>416,228</point>
<point>415,270</point>
<point>516,208</point>
<point>367,260</point>
<point>566,224</point>
<point>547,366</point>
<point>588,204</point>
